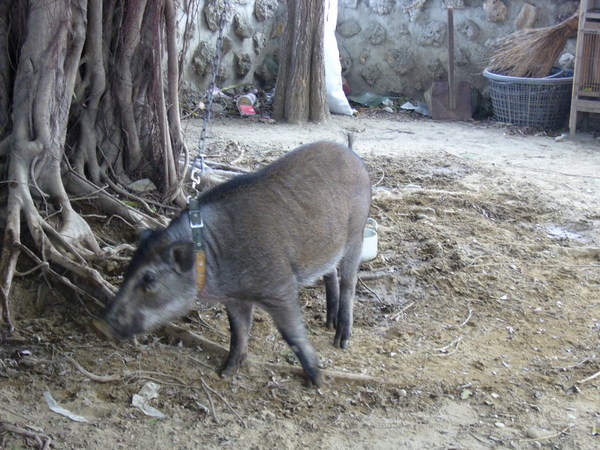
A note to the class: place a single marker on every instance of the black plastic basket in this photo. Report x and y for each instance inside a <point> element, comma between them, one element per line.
<point>536,102</point>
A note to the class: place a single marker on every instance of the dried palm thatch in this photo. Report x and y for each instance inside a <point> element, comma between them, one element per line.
<point>531,52</point>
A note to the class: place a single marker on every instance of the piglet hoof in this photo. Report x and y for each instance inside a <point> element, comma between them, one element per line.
<point>228,372</point>
<point>314,378</point>
<point>231,367</point>
<point>330,325</point>
<point>343,344</point>
<point>340,340</point>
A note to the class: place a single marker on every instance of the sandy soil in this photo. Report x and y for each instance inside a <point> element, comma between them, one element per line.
<point>476,326</point>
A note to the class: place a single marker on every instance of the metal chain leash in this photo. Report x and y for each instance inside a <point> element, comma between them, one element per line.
<point>198,162</point>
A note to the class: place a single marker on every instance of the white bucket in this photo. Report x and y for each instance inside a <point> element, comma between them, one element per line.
<point>369,247</point>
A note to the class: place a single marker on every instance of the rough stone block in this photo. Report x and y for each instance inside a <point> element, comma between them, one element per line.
<point>527,16</point>
<point>264,9</point>
<point>349,4</point>
<point>495,10</point>
<point>364,56</point>
<point>242,62</point>
<point>241,26</point>
<point>375,34</point>
<point>203,57</point>
<point>259,40</point>
<point>382,6</point>
<point>349,28</point>
<point>371,74</point>
<point>224,73</point>
<point>395,86</point>
<point>436,70</point>
<point>455,4</point>
<point>468,29</point>
<point>265,73</point>
<point>402,30</point>
<point>462,57</point>
<point>212,13</point>
<point>345,60</point>
<point>566,10</point>
<point>401,60</point>
<point>432,34</point>
<point>413,8</point>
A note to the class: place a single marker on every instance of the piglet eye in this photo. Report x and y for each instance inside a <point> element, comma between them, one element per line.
<point>149,278</point>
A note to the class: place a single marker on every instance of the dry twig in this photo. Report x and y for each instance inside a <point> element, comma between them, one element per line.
<point>444,350</point>
<point>480,439</point>
<point>213,412</point>
<point>397,315</point>
<point>202,363</point>
<point>224,400</point>
<point>206,325</point>
<point>550,436</point>
<point>369,289</point>
<point>467,319</point>
<point>43,440</point>
<point>237,170</point>
<point>193,340</point>
<point>580,363</point>
<point>382,176</point>
<point>365,276</point>
<point>334,374</point>
<point>127,374</point>
<point>590,378</point>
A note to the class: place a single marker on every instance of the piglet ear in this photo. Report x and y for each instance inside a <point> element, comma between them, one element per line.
<point>182,256</point>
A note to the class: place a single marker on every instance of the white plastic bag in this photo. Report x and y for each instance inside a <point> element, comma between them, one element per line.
<point>338,103</point>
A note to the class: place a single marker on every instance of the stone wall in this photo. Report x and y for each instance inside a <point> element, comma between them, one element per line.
<point>389,47</point>
<point>250,43</point>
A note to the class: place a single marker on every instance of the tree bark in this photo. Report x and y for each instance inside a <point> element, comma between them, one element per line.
<point>131,32</point>
<point>5,68</point>
<point>300,94</point>
<point>84,83</point>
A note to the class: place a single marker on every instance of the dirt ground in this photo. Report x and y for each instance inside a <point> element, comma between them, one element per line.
<point>476,326</point>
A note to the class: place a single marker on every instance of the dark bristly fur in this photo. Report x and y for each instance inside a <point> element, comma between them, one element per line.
<point>265,234</point>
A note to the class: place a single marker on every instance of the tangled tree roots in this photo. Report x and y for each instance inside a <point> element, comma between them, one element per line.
<point>72,132</point>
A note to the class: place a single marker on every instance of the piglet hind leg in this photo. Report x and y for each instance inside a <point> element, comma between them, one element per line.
<point>345,315</point>
<point>239,314</point>
<point>332,294</point>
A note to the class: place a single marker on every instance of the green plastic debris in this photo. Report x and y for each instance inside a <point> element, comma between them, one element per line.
<point>368,99</point>
<point>465,394</point>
